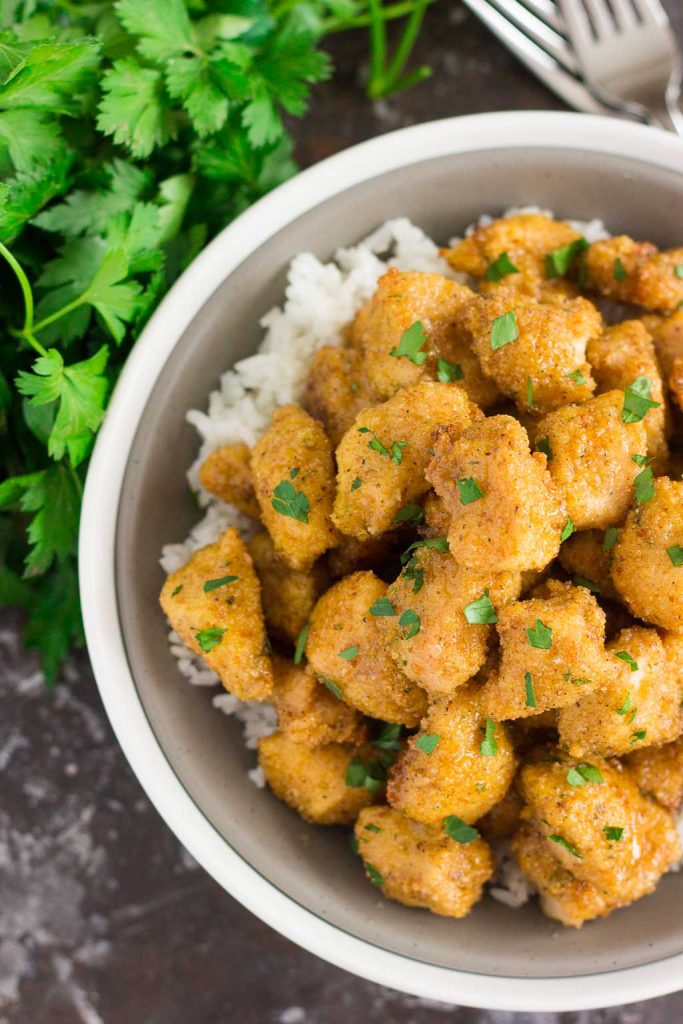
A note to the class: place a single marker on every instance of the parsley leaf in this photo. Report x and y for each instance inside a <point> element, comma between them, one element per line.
<point>374,875</point>
<point>577,377</point>
<point>333,687</point>
<point>504,330</point>
<point>628,658</point>
<point>301,642</point>
<point>287,501</point>
<point>675,553</point>
<point>448,372</point>
<point>543,445</point>
<point>469,490</point>
<point>208,639</point>
<point>500,268</point>
<point>427,742</point>
<point>613,833</point>
<point>410,513</point>
<point>637,401</point>
<point>411,621</point>
<point>455,828</point>
<point>371,775</point>
<point>410,345</point>
<point>133,109</point>
<point>382,607</point>
<point>559,262</point>
<point>581,774</point>
<point>349,653</point>
<point>610,538</point>
<point>567,531</point>
<point>619,270</point>
<point>644,486</point>
<point>489,745</point>
<point>560,841</point>
<point>540,636</point>
<point>530,695</point>
<point>222,581</point>
<point>480,611</point>
<point>54,496</point>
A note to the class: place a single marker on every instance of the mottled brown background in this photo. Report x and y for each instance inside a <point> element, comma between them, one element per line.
<point>104,919</point>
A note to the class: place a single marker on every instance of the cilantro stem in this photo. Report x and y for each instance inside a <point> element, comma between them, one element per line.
<point>28,328</point>
<point>389,13</point>
<point>406,44</point>
<point>387,78</point>
<point>59,313</point>
<point>378,50</point>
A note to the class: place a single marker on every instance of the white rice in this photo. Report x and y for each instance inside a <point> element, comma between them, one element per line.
<point>320,299</point>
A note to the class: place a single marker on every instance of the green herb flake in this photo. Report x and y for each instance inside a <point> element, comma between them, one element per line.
<point>567,531</point>
<point>561,841</point>
<point>455,828</point>
<point>382,607</point>
<point>504,330</point>
<point>410,513</point>
<point>675,554</point>
<point>374,875</point>
<point>435,543</point>
<point>637,401</point>
<point>500,268</point>
<point>641,460</point>
<point>293,473</point>
<point>427,742</point>
<point>638,736</point>
<point>481,611</point>
<point>372,828</point>
<point>558,263</point>
<point>448,372</point>
<point>540,636</point>
<point>410,620</point>
<point>619,270</point>
<point>356,484</point>
<point>577,378</point>
<point>349,653</point>
<point>489,745</point>
<point>644,486</point>
<point>530,695</point>
<point>630,661</point>
<point>583,581</point>
<point>678,270</point>
<point>176,590</point>
<point>369,775</point>
<point>610,538</point>
<point>353,844</point>
<point>331,686</point>
<point>613,833</point>
<point>625,707</point>
<point>543,445</point>
<point>411,344</point>
<point>287,501</point>
<point>389,738</point>
<point>583,773</point>
<point>469,490</point>
<point>301,642</point>
<point>222,581</point>
<point>210,638</point>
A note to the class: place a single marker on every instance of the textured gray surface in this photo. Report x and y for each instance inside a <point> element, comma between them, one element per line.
<point>103,917</point>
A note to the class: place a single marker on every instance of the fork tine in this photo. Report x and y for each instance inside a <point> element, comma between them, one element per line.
<point>651,11</point>
<point>577,24</point>
<point>538,31</point>
<point>547,11</point>
<point>624,14</point>
<point>601,17</point>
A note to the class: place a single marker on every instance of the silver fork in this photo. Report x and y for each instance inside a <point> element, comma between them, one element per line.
<point>628,56</point>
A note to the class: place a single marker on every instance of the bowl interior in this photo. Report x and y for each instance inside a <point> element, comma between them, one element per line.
<point>314,866</point>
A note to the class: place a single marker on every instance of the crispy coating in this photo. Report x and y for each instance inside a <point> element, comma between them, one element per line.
<point>591,464</point>
<point>231,612</point>
<point>667,335</point>
<point>517,522</point>
<point>393,477</point>
<point>288,595</point>
<point>296,453</point>
<point>437,518</point>
<point>456,778</point>
<point>622,870</point>
<point>620,356</point>
<point>527,238</point>
<point>502,821</point>
<point>401,299</point>
<point>635,706</point>
<point>532,361</point>
<point>650,585</point>
<point>337,389</point>
<point>312,780</point>
<point>583,554</point>
<point>447,650</point>
<point>421,866</point>
<point>227,474</point>
<point>658,772</point>
<point>308,712</point>
<point>635,272</point>
<point>571,660</point>
<point>353,555</point>
<point>370,679</point>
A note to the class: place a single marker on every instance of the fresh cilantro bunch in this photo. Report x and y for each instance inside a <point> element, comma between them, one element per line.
<point>130,133</point>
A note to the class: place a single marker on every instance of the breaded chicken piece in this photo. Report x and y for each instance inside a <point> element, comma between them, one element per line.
<point>346,649</point>
<point>446,650</point>
<point>437,518</point>
<point>288,595</point>
<point>621,355</point>
<point>644,557</point>
<point>502,821</point>
<point>562,896</point>
<point>308,712</point>
<point>638,704</point>
<point>506,512</point>
<point>534,351</point>
<point>382,458</point>
<point>527,239</point>
<point>227,474</point>
<point>312,780</point>
<point>213,602</point>
<point>337,389</point>
<point>552,650</point>
<point>421,866</point>
<point>673,647</point>
<point>293,471</point>
<point>635,272</point>
<point>588,555</point>
<point>405,298</point>
<point>468,771</point>
<point>576,805</point>
<point>591,464</point>
<point>658,772</point>
<point>667,335</point>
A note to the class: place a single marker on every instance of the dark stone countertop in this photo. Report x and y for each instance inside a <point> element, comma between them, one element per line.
<point>104,919</point>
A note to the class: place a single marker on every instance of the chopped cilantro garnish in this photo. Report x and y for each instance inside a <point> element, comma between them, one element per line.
<point>469,490</point>
<point>222,581</point>
<point>540,636</point>
<point>353,843</point>
<point>543,445</point>
<point>382,607</point>
<point>558,262</point>
<point>437,543</point>
<point>356,484</point>
<point>349,653</point>
<point>289,502</point>
<point>410,513</point>
<point>675,554</point>
<point>577,377</point>
<point>361,775</point>
<point>619,270</point>
<point>374,875</point>
<point>301,644</point>
<point>448,372</point>
<point>411,621</point>
<point>625,707</point>
<point>500,268</point>
<point>630,661</point>
<point>489,745</point>
<point>414,573</point>
<point>637,736</point>
<point>582,773</point>
<point>583,581</point>
<point>427,742</point>
<point>530,695</point>
<point>375,445</point>
<point>644,486</point>
<point>210,638</point>
<point>637,401</point>
<point>176,590</point>
<point>561,841</point>
<point>389,738</point>
<point>456,828</point>
<point>293,473</point>
<point>504,329</point>
<point>610,538</point>
<point>372,828</point>
<point>567,530</point>
<point>641,460</point>
<point>678,269</point>
<point>331,686</point>
<point>613,833</point>
<point>481,611</point>
<point>411,344</point>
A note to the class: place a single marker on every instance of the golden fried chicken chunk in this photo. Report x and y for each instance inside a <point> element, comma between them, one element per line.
<point>622,355</point>
<point>591,462</point>
<point>658,772</point>
<point>288,595</point>
<point>647,558</point>
<point>227,474</point>
<point>552,649</point>
<point>293,472</point>
<point>382,458</point>
<point>214,605</point>
<point>346,649</point>
<point>587,555</point>
<point>437,518</point>
<point>419,865</point>
<point>308,712</point>
<point>460,763</point>
<point>506,513</point>
<point>337,389</point>
<point>667,335</point>
<point>430,637</point>
<point>312,780</point>
<point>534,351</point>
<point>637,705</point>
<point>579,808</point>
<point>502,821</point>
<point>512,252</point>
<point>635,272</point>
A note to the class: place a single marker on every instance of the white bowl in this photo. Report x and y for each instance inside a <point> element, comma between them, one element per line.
<point>191,764</point>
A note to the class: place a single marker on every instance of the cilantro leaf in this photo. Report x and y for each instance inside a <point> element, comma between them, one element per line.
<point>675,553</point>
<point>54,496</point>
<point>559,262</point>
<point>427,742</point>
<point>489,745</point>
<point>162,27</point>
<point>290,502</point>
<point>637,401</point>
<point>530,694</point>
<point>410,345</point>
<point>456,828</point>
<point>32,140</point>
<point>540,636</point>
<point>133,109</point>
<point>644,486</point>
<point>469,490</point>
<point>560,841</point>
<point>52,76</point>
<point>480,611</point>
<point>210,638</point>
<point>410,620</point>
<point>448,372</point>
<point>500,268</point>
<point>54,625</point>
<point>504,330</point>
